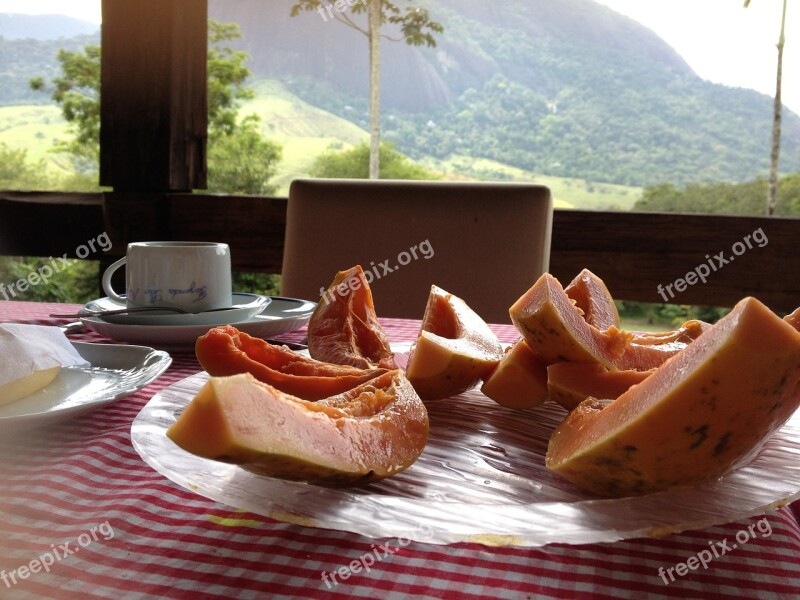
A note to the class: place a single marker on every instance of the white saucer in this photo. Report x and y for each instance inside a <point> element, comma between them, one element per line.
<point>244,307</point>
<point>280,316</point>
<point>114,372</point>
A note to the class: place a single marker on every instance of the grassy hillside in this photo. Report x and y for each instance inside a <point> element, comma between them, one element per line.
<point>33,128</point>
<point>567,193</point>
<point>305,131</point>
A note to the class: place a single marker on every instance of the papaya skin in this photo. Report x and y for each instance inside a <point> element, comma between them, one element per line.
<point>227,351</point>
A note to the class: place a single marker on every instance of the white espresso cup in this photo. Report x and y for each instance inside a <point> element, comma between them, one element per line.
<point>193,276</point>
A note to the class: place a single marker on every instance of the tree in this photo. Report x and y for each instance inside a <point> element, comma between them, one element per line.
<point>772,197</point>
<point>354,164</point>
<point>722,198</point>
<point>415,28</point>
<point>16,173</point>
<point>227,73</point>
<point>243,161</point>
<point>240,159</point>
<point>77,91</point>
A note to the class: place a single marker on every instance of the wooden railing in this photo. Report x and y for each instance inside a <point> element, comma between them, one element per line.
<point>634,253</point>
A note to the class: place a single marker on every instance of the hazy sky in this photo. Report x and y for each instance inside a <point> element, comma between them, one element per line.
<point>725,42</point>
<point>721,40</point>
<point>88,10</point>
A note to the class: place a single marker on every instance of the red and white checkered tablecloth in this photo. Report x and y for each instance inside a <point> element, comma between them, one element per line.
<point>111,527</point>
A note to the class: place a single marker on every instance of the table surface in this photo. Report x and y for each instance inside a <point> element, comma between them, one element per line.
<point>78,495</point>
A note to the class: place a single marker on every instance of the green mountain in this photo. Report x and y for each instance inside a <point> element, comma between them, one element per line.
<point>514,88</point>
<point>567,88</point>
<point>22,59</point>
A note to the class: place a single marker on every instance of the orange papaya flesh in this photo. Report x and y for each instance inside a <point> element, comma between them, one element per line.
<point>227,351</point>
<point>455,348</point>
<point>704,412</point>
<point>519,380</point>
<point>448,316</point>
<point>369,432</point>
<point>344,328</point>
<point>592,297</point>
<point>647,351</point>
<point>570,383</point>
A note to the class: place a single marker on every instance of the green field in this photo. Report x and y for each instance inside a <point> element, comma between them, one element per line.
<point>567,193</point>
<point>34,129</point>
<point>305,131</point>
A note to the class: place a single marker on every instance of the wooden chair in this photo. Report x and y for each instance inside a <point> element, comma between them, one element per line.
<point>484,242</point>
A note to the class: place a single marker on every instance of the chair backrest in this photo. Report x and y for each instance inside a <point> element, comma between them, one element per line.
<point>484,242</point>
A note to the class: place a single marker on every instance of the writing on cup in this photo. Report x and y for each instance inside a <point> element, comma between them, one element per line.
<point>156,296</point>
<point>193,276</point>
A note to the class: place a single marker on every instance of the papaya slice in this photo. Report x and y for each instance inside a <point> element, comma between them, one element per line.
<point>225,350</point>
<point>372,431</point>
<point>592,297</point>
<point>570,383</point>
<point>520,380</point>
<point>704,412</point>
<point>344,328</point>
<point>556,330</point>
<point>455,348</point>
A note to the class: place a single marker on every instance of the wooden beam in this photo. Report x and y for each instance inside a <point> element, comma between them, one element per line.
<point>154,95</point>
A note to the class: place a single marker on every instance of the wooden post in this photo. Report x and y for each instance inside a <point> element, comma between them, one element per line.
<point>154,95</point>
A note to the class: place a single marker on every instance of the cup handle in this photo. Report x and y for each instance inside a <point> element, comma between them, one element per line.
<point>107,281</point>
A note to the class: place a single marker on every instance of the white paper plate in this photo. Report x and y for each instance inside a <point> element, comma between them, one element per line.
<point>244,307</point>
<point>281,315</point>
<point>115,372</point>
<point>480,479</point>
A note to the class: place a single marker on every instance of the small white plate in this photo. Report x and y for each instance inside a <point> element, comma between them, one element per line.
<point>244,307</point>
<point>280,315</point>
<point>115,372</point>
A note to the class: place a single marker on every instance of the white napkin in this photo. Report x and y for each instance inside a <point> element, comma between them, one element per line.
<point>25,349</point>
